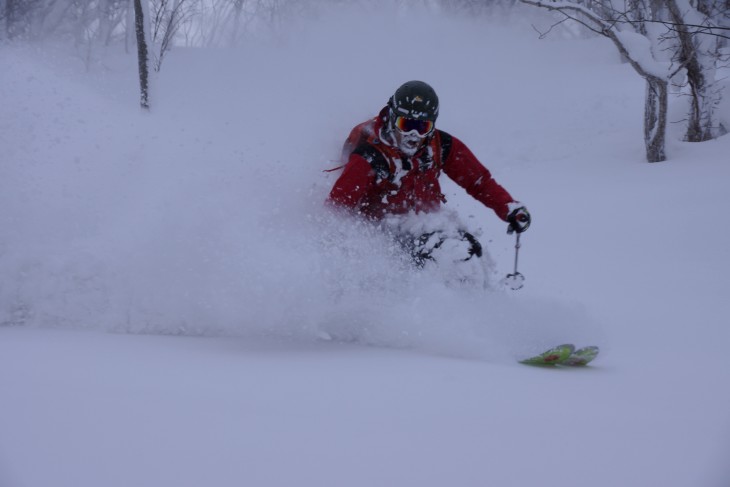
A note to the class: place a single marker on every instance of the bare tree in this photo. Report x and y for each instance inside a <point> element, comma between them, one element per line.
<point>695,33</point>
<point>693,40</point>
<point>639,56</point>
<point>167,17</point>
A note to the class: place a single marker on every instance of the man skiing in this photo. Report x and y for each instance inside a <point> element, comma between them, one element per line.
<point>392,165</point>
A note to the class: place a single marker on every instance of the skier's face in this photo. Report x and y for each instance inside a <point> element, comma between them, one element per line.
<point>409,142</point>
<point>410,134</point>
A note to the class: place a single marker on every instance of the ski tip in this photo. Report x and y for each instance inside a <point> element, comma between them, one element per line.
<point>551,357</point>
<point>582,357</point>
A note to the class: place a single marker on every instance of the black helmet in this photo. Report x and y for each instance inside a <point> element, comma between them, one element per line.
<point>415,100</point>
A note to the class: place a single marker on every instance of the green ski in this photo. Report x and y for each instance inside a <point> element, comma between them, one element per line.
<point>565,354</point>
<point>581,356</point>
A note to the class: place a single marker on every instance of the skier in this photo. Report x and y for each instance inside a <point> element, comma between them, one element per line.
<point>392,165</point>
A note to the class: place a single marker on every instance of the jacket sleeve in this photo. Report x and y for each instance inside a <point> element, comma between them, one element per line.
<point>353,184</point>
<point>465,169</point>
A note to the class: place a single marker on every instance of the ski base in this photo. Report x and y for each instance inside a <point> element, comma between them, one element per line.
<point>564,355</point>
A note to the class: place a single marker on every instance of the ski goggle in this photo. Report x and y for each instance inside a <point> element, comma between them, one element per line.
<point>405,125</point>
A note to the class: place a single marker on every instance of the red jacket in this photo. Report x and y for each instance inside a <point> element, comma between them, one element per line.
<point>378,180</point>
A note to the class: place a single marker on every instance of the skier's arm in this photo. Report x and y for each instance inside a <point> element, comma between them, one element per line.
<point>465,169</point>
<point>351,143</point>
<point>353,184</point>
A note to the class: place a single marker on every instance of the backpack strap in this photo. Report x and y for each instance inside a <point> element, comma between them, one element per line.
<point>446,142</point>
<point>376,159</point>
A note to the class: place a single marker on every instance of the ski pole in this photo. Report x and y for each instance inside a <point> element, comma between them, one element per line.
<point>515,280</point>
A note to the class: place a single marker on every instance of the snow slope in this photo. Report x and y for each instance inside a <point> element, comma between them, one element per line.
<point>168,279</point>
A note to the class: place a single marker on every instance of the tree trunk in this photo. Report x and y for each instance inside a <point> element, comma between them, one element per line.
<point>703,121</point>
<point>655,118</point>
<point>655,105</point>
<point>142,54</point>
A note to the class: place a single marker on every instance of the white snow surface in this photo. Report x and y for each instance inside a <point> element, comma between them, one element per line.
<point>179,309</point>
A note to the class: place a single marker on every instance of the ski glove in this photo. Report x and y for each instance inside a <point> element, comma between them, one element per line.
<point>519,220</point>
